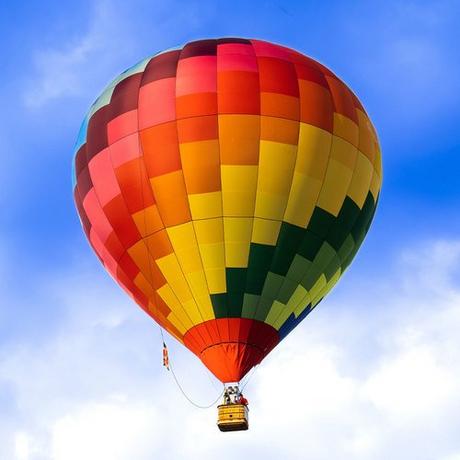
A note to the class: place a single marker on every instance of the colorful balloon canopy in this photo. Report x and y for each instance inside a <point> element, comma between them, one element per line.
<point>226,186</point>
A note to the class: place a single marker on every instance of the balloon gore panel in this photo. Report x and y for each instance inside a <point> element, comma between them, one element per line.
<point>226,186</point>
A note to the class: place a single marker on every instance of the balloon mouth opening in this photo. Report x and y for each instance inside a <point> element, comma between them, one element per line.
<point>231,347</point>
<point>231,361</point>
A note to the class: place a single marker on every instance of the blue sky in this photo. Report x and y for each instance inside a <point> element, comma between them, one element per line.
<point>75,356</point>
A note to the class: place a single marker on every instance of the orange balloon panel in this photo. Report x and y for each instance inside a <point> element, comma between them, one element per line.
<point>226,185</point>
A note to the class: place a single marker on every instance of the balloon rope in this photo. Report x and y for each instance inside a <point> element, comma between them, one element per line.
<point>254,369</point>
<point>199,406</point>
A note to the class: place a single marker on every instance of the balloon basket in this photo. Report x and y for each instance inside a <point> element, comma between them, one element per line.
<point>232,417</point>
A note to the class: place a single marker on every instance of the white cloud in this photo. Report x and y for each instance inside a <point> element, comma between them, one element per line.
<point>78,62</point>
<point>365,377</point>
<point>412,384</point>
<point>22,448</point>
<point>452,457</point>
<point>113,430</point>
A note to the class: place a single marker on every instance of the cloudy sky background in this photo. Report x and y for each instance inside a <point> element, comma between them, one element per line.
<point>374,373</point>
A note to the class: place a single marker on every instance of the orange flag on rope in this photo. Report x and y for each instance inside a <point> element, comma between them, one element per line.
<point>165,356</point>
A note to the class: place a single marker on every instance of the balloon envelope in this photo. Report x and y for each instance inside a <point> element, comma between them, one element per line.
<point>226,186</point>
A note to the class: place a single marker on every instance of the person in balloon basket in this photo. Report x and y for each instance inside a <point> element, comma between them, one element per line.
<point>227,399</point>
<point>233,394</point>
<point>242,400</point>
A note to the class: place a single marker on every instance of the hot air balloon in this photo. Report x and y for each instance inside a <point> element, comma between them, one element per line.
<point>226,185</point>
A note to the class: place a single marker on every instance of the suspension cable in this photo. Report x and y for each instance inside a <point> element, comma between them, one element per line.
<point>253,371</point>
<point>190,400</point>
